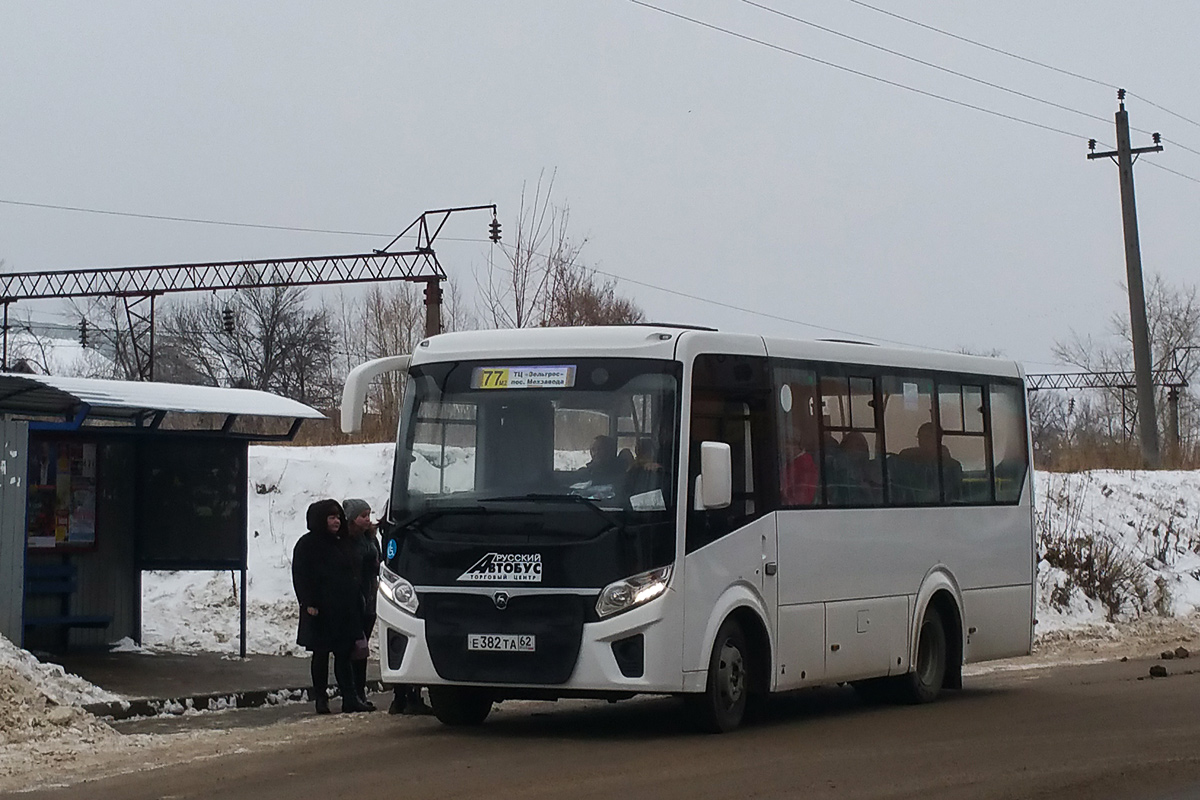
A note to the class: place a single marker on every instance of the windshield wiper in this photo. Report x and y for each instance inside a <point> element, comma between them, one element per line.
<point>542,497</point>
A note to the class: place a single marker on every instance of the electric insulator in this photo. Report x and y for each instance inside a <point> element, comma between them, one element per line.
<point>1091,144</point>
<point>494,229</point>
<point>83,333</point>
<point>227,319</point>
<point>1157,137</point>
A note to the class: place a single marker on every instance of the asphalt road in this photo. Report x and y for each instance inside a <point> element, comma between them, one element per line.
<point>1082,731</point>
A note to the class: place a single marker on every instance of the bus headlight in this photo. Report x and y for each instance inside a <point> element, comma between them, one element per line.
<point>629,593</point>
<point>396,590</point>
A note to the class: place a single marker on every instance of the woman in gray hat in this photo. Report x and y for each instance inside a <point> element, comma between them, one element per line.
<point>362,533</point>
<point>407,699</point>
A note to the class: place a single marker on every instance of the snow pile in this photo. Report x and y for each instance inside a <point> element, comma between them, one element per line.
<point>1146,523</point>
<point>1116,546</point>
<point>58,685</point>
<point>40,701</point>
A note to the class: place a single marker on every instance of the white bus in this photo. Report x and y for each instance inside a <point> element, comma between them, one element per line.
<point>604,512</point>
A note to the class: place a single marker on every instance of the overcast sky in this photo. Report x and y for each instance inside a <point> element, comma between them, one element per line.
<point>690,159</point>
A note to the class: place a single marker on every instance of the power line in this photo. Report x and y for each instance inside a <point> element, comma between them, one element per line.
<point>205,221</point>
<point>897,84</point>
<point>196,220</point>
<point>859,73</point>
<point>731,306</point>
<point>963,75</point>
<point>924,63</point>
<point>1035,62</point>
<point>1019,57</point>
<point>1162,108</point>
<point>1156,165</point>
<point>1172,141</point>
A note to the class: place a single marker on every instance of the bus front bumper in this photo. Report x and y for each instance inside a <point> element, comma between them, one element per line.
<point>611,659</point>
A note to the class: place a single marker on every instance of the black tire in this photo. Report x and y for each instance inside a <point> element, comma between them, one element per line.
<point>460,705</point>
<point>924,683</point>
<point>722,705</point>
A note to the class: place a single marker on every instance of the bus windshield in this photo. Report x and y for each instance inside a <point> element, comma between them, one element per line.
<point>563,433</point>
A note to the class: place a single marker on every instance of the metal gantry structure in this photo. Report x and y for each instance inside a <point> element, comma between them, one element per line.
<point>1125,381</point>
<point>138,287</point>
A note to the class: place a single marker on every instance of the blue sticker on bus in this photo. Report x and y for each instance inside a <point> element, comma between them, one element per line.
<point>391,551</point>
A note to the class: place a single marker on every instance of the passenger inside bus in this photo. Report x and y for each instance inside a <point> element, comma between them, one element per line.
<point>605,468</point>
<point>852,473</point>
<point>914,471</point>
<point>798,480</point>
<point>646,474</point>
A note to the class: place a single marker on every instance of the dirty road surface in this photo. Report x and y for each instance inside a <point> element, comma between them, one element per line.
<point>1099,730</point>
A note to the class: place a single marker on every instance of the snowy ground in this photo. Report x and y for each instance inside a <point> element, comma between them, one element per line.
<point>1147,524</point>
<point>1150,519</point>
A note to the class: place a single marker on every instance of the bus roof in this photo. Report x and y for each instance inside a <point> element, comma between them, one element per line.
<point>660,342</point>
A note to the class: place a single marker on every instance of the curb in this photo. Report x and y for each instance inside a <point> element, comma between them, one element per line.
<point>151,707</point>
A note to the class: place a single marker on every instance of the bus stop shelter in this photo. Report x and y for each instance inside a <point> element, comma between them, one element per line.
<point>101,480</point>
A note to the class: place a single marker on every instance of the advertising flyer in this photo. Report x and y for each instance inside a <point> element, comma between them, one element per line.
<point>62,494</point>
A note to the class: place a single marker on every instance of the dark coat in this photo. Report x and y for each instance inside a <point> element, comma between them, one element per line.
<point>327,574</point>
<point>372,557</point>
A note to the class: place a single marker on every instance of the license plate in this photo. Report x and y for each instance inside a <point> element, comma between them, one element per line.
<point>502,642</point>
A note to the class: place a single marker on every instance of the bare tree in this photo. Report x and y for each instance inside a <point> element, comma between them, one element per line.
<point>545,283</point>
<point>278,343</point>
<point>514,297</point>
<point>1173,313</point>
<point>578,297</point>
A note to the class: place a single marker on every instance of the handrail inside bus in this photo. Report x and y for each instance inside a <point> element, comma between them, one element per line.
<point>354,394</point>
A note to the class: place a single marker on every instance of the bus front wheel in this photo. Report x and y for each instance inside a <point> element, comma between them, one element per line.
<point>923,684</point>
<point>722,705</point>
<point>460,705</point>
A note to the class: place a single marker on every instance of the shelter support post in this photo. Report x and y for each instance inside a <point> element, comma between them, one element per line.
<point>242,645</point>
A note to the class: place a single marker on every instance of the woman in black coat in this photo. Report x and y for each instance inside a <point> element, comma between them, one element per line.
<point>327,575</point>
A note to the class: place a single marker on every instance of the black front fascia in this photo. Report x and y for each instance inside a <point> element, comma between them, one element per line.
<point>555,622</point>
<point>573,547</point>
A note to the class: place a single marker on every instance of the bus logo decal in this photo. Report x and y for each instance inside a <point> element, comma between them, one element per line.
<point>509,567</point>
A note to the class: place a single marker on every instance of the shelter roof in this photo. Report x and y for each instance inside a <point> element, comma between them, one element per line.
<point>110,399</point>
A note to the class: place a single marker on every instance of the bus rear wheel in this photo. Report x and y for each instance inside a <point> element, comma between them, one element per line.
<point>924,683</point>
<point>722,705</point>
<point>460,705</point>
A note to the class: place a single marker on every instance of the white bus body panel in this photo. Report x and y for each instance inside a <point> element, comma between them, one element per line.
<point>717,579</point>
<point>661,620</point>
<point>860,579</point>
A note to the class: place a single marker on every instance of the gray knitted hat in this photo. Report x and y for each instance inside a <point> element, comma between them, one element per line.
<point>353,507</point>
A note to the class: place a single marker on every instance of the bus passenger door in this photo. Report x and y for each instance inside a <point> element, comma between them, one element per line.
<point>733,546</point>
<point>800,625</point>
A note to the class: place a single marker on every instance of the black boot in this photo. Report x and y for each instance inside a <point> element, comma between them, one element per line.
<point>322,702</point>
<point>352,705</point>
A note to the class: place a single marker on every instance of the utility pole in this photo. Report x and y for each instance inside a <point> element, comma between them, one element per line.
<point>1125,156</point>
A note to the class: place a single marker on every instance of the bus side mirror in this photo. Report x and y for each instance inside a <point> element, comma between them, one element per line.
<point>714,484</point>
<point>354,394</point>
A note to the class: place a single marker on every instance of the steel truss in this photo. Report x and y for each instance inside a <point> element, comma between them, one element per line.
<point>1124,381</point>
<point>139,286</point>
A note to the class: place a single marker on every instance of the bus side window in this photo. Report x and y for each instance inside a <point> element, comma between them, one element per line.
<point>912,441</point>
<point>797,437</point>
<point>853,465</point>
<point>966,477</point>
<point>729,396</point>
<point>1009,452</point>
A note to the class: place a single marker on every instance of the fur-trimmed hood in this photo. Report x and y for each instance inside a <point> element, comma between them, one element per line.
<point>322,510</point>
